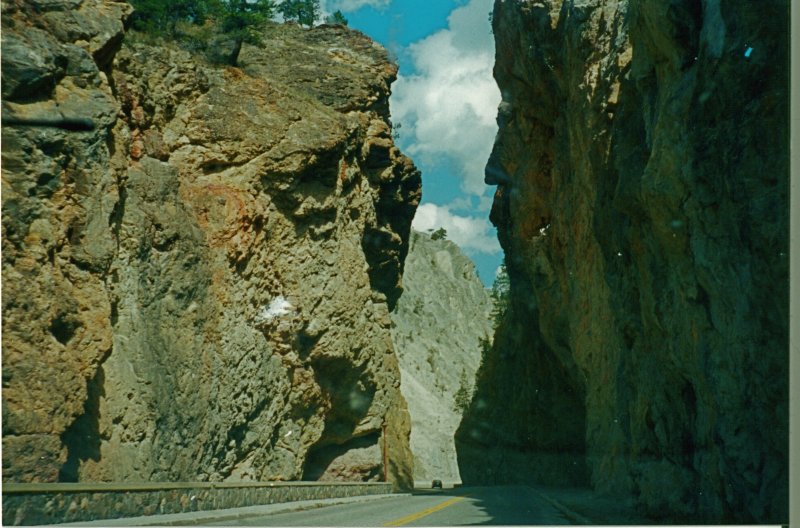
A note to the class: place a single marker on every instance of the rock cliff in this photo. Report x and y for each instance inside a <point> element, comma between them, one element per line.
<point>199,286</point>
<point>438,326</point>
<point>642,173</point>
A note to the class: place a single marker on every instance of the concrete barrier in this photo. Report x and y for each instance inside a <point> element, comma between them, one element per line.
<point>27,504</point>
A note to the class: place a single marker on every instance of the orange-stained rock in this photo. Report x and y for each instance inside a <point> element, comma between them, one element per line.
<point>199,288</point>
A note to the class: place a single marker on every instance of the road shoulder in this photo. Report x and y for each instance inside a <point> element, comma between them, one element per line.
<point>232,514</point>
<point>586,507</point>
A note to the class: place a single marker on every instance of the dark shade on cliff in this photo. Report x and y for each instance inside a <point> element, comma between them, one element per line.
<point>642,202</point>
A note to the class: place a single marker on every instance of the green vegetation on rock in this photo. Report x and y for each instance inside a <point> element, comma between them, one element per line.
<point>463,395</point>
<point>501,288</point>
<point>304,12</point>
<point>439,234</point>
<point>241,19</point>
<point>336,19</point>
<point>221,26</point>
<point>160,17</point>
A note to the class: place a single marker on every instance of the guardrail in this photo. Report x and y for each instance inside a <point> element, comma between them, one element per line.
<point>28,504</point>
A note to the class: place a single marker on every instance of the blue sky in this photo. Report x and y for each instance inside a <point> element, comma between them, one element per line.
<point>445,101</point>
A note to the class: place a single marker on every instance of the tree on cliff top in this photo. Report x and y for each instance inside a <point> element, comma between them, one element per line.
<point>305,12</point>
<point>336,19</point>
<point>160,17</point>
<point>240,20</point>
<point>439,234</point>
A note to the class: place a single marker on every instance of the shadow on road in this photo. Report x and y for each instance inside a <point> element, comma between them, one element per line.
<point>503,506</point>
<point>525,505</point>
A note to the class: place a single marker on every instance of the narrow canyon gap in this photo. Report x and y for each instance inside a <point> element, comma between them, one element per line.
<point>200,286</point>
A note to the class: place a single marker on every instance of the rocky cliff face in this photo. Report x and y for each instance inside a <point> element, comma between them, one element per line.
<point>199,288</point>
<point>642,176</point>
<point>438,325</point>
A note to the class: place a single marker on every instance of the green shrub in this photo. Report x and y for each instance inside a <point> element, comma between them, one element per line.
<point>161,17</point>
<point>439,234</point>
<point>198,23</point>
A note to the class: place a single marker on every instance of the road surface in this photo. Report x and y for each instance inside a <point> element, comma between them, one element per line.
<point>506,505</point>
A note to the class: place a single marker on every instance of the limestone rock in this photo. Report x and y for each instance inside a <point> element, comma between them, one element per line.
<point>439,322</point>
<point>58,194</point>
<point>200,287</point>
<point>642,176</point>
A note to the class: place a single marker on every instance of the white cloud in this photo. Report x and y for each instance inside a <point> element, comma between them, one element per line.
<point>473,204</point>
<point>472,234</point>
<point>448,107</point>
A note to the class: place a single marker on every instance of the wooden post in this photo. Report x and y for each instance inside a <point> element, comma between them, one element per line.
<point>385,456</point>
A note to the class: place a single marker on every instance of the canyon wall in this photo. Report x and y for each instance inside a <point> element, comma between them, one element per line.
<point>440,326</point>
<point>642,202</point>
<point>198,288</point>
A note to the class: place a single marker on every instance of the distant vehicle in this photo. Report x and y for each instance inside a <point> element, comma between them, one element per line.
<point>436,484</point>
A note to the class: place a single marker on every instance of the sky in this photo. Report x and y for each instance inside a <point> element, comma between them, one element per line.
<point>445,102</point>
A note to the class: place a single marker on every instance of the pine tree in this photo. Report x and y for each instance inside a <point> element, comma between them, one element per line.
<point>463,395</point>
<point>305,12</point>
<point>336,19</point>
<point>501,290</point>
<point>241,20</point>
<point>160,17</point>
<point>485,344</point>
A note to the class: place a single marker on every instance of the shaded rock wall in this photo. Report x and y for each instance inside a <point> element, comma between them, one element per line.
<point>642,176</point>
<point>200,287</point>
<point>438,325</point>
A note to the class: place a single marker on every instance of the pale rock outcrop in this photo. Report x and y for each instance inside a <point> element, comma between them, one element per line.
<point>200,287</point>
<point>438,327</point>
<point>642,176</point>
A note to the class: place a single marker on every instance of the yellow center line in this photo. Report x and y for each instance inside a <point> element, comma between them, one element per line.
<point>419,515</point>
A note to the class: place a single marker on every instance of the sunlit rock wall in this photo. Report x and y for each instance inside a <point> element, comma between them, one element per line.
<point>438,327</point>
<point>642,174</point>
<point>200,287</point>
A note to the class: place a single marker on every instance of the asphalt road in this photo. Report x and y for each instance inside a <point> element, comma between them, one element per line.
<point>507,505</point>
